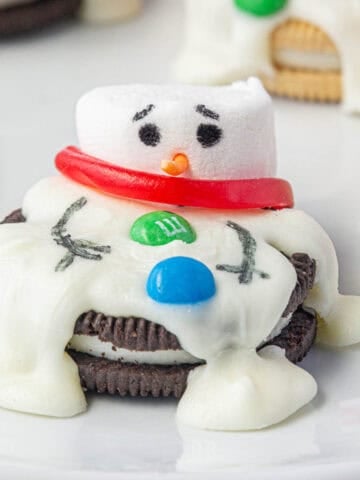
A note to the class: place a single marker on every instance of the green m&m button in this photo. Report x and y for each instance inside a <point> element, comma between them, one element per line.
<point>261,8</point>
<point>160,228</point>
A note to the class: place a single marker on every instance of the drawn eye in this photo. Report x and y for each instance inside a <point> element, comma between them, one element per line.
<point>208,135</point>
<point>150,134</point>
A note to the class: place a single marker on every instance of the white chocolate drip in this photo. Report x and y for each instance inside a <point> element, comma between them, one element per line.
<point>240,390</point>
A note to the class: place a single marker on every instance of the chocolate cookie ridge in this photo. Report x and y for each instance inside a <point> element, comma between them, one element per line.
<point>131,379</point>
<point>131,333</point>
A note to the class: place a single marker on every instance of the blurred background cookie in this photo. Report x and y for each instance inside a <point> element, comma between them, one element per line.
<point>300,49</point>
<point>22,16</point>
<point>307,63</point>
<point>107,11</point>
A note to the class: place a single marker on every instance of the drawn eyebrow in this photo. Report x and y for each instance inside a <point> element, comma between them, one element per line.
<point>142,114</point>
<point>206,112</point>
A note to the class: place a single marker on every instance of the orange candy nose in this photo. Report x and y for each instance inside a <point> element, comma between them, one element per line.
<point>178,165</point>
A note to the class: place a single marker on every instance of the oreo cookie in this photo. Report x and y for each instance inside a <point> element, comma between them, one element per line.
<point>135,379</point>
<point>140,335</point>
<point>15,217</point>
<point>21,17</point>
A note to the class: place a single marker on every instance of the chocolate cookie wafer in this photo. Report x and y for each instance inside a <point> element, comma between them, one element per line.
<point>21,17</point>
<point>15,217</point>
<point>298,337</point>
<point>118,378</point>
<point>305,268</point>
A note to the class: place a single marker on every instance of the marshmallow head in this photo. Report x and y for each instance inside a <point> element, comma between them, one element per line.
<point>195,132</point>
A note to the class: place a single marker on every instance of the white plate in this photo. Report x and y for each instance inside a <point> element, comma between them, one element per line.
<point>118,437</point>
<point>319,151</point>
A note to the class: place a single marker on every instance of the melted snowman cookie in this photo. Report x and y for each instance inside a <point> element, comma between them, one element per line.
<point>217,279</point>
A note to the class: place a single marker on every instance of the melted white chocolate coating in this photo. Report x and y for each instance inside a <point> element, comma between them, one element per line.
<point>224,44</point>
<point>39,306</point>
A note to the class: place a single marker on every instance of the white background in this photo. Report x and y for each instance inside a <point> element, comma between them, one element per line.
<point>41,77</point>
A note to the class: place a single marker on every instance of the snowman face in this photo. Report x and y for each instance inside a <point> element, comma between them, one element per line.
<point>194,132</point>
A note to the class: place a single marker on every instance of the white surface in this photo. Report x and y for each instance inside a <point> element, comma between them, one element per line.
<point>319,151</point>
<point>119,437</point>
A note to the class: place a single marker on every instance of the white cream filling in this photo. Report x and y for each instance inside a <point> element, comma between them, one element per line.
<point>92,345</point>
<point>318,61</point>
<point>96,347</point>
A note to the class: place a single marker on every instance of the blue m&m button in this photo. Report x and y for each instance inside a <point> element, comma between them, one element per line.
<point>181,281</point>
